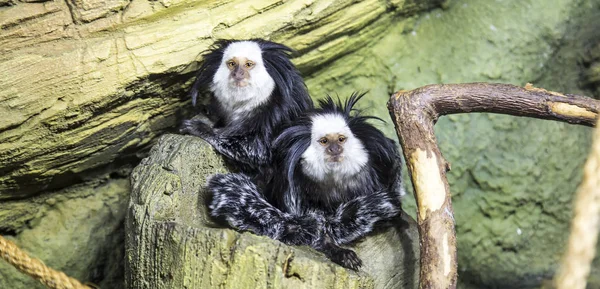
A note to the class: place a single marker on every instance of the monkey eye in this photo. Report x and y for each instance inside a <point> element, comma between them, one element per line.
<point>323,141</point>
<point>231,64</point>
<point>249,64</point>
<point>342,139</point>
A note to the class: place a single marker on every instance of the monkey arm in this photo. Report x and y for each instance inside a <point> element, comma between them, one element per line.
<point>248,149</point>
<point>353,220</point>
<point>236,199</point>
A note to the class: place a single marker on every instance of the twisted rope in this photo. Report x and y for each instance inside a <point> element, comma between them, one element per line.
<point>581,249</point>
<point>36,268</point>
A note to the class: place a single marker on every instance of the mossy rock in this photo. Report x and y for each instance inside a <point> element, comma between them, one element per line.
<point>105,78</point>
<point>171,241</point>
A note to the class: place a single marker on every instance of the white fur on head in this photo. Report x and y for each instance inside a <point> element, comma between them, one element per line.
<point>238,101</point>
<point>314,161</point>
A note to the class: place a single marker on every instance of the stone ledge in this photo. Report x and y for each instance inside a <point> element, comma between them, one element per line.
<point>171,242</point>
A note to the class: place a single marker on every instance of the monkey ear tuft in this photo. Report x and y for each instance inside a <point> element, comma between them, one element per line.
<point>291,144</point>
<point>352,100</point>
<point>329,105</point>
<point>211,60</point>
<point>289,82</point>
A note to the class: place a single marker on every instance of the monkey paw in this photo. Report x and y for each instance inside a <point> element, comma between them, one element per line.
<point>197,126</point>
<point>345,257</point>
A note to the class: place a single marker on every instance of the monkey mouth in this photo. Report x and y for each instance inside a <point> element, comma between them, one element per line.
<point>240,83</point>
<point>335,159</point>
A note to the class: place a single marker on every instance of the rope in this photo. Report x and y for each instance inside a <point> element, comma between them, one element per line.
<point>581,249</point>
<point>36,268</point>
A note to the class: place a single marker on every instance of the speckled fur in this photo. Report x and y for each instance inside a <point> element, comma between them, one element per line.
<point>326,209</point>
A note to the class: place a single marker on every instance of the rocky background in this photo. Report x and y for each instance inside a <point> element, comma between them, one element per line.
<point>87,86</point>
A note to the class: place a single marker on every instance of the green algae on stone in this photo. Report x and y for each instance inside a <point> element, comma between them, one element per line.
<point>101,88</point>
<point>78,231</point>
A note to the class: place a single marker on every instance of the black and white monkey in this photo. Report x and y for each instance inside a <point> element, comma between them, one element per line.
<point>337,178</point>
<point>256,89</point>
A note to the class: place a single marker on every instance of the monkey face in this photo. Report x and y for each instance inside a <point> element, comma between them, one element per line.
<point>333,149</point>
<point>242,68</point>
<point>242,81</point>
<point>239,70</point>
<point>333,144</point>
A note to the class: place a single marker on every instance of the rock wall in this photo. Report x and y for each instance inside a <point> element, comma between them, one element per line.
<point>88,85</point>
<point>78,230</point>
<point>89,82</point>
<point>512,179</point>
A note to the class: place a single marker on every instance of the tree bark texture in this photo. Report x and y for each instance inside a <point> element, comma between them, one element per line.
<point>414,114</point>
<point>86,83</point>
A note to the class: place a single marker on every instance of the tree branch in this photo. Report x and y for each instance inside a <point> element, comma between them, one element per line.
<point>414,114</point>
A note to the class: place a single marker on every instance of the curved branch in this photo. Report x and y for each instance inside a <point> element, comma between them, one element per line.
<point>414,114</point>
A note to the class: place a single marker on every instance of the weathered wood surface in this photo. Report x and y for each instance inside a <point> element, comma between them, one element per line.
<point>172,243</point>
<point>415,112</point>
<point>88,82</point>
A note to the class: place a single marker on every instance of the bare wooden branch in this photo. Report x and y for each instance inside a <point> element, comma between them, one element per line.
<point>414,114</point>
<point>577,260</point>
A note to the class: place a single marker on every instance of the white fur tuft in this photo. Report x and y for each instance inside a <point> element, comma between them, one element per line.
<point>314,163</point>
<point>238,101</point>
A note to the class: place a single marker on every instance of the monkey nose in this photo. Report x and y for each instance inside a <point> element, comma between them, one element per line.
<point>238,78</point>
<point>334,150</point>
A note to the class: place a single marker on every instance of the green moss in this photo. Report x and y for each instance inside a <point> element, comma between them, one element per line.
<point>78,231</point>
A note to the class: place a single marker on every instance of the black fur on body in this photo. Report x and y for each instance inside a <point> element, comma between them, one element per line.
<point>246,141</point>
<point>297,210</point>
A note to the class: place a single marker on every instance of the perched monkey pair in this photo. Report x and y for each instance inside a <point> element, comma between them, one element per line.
<point>322,177</point>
